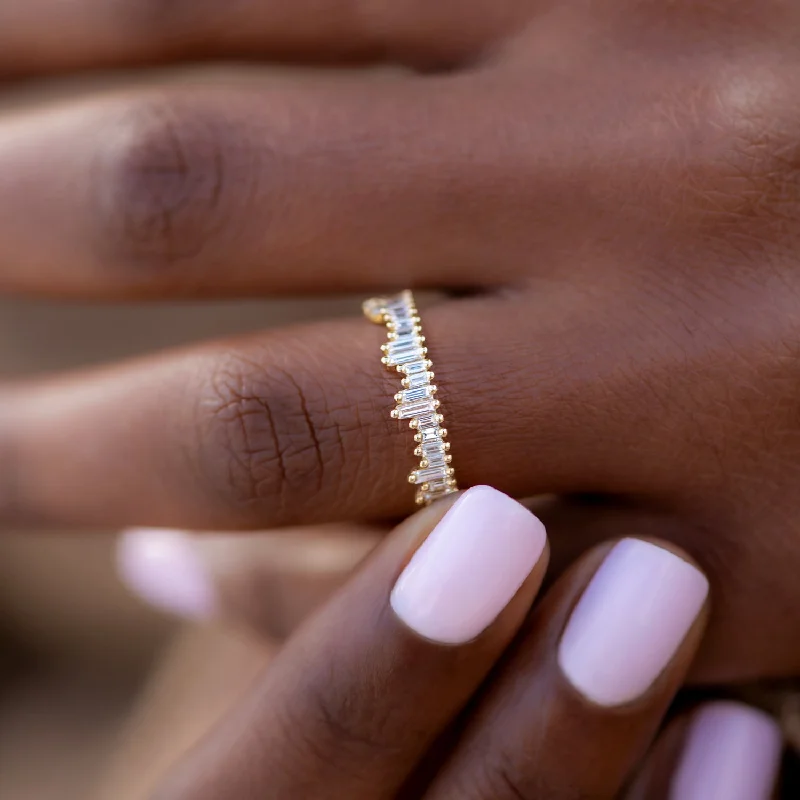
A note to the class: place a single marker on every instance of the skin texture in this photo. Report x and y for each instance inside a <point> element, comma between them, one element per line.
<point>356,705</point>
<point>614,184</point>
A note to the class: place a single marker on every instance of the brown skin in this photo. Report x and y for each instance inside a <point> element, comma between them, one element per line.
<point>355,705</point>
<point>617,183</point>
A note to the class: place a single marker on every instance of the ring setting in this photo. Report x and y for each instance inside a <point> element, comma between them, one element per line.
<point>405,352</point>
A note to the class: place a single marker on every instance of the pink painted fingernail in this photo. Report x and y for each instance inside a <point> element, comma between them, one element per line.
<point>630,621</point>
<point>469,568</point>
<point>163,568</point>
<point>732,752</point>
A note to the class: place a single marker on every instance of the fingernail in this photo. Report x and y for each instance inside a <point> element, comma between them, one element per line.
<point>469,568</point>
<point>732,752</point>
<point>630,621</point>
<point>164,569</point>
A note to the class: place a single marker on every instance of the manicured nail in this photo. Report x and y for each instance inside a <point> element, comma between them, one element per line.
<point>164,569</point>
<point>469,568</point>
<point>732,752</point>
<point>630,621</point>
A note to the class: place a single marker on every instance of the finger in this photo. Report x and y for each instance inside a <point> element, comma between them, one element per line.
<point>293,427</point>
<point>583,692</point>
<point>198,677</point>
<point>249,185</point>
<point>359,695</point>
<point>267,581</point>
<point>724,751</point>
<point>745,639</point>
<point>45,35</point>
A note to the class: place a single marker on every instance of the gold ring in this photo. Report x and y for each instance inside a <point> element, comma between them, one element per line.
<point>405,352</point>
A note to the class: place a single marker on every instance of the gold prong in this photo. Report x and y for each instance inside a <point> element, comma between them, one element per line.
<point>437,403</point>
<point>385,361</point>
<point>450,472</point>
<point>442,433</point>
<point>448,459</point>
<point>412,478</point>
<point>394,414</point>
<point>446,446</point>
<point>439,417</point>
<point>419,499</point>
<point>384,348</point>
<point>417,450</point>
<point>414,424</point>
<point>398,397</point>
<point>424,351</point>
<point>424,463</point>
<point>431,376</point>
<point>428,365</point>
<point>405,383</point>
<point>433,389</point>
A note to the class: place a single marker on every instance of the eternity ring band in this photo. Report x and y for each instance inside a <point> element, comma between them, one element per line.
<point>405,352</point>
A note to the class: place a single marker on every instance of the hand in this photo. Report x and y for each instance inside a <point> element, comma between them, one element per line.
<point>360,702</point>
<point>616,182</point>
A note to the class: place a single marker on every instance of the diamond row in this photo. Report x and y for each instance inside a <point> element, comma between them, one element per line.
<point>405,352</point>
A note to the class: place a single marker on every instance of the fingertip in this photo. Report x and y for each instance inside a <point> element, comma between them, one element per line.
<point>732,752</point>
<point>164,569</point>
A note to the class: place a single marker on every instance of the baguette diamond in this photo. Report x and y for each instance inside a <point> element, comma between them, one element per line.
<point>405,352</point>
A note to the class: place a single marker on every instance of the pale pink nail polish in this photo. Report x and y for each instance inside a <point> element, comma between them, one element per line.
<point>732,752</point>
<point>164,569</point>
<point>469,568</point>
<point>630,621</point>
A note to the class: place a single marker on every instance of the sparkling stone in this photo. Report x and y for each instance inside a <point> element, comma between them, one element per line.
<point>429,421</point>
<point>404,325</point>
<point>411,410</point>
<point>404,341</point>
<point>417,393</point>
<point>437,460</point>
<point>430,475</point>
<point>429,434</point>
<point>404,355</point>
<point>433,449</point>
<point>417,374</point>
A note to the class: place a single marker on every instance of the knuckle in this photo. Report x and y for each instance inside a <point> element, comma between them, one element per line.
<point>348,723</point>
<point>269,437</point>
<point>749,181</point>
<point>163,183</point>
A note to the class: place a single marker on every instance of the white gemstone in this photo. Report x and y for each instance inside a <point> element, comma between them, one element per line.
<point>404,341</point>
<point>417,393</point>
<point>433,449</point>
<point>438,460</point>
<point>417,374</point>
<point>404,355</point>
<point>429,434</point>
<point>404,325</point>
<point>411,410</point>
<point>430,475</point>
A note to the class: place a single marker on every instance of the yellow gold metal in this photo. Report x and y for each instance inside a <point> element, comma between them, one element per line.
<point>405,351</point>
